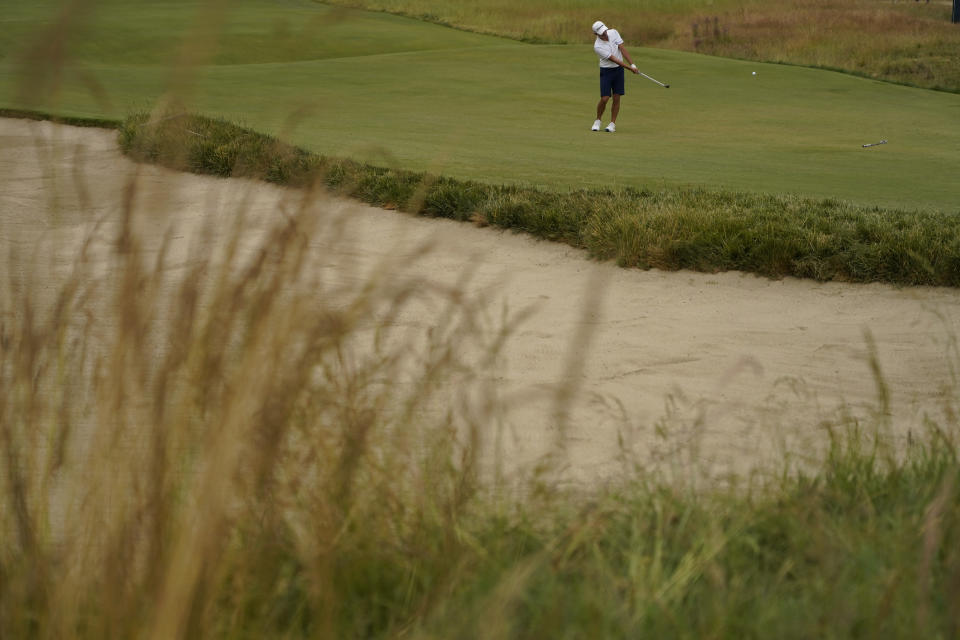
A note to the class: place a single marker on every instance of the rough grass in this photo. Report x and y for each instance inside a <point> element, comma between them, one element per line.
<point>217,448</point>
<point>907,42</point>
<point>774,236</point>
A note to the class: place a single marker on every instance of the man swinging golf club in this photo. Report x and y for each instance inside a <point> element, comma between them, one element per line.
<point>609,48</point>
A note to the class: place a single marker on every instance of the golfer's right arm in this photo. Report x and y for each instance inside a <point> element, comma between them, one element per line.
<point>626,56</point>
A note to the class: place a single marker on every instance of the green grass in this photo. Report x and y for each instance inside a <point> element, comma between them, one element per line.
<point>422,97</point>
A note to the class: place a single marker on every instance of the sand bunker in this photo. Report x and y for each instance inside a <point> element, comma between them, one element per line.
<point>728,369</point>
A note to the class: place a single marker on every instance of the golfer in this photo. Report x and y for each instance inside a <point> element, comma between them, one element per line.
<point>609,48</point>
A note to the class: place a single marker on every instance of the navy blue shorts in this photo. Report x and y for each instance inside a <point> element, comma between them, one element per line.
<point>611,81</point>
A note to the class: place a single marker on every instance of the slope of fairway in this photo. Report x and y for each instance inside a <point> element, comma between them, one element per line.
<point>155,32</point>
<point>399,92</point>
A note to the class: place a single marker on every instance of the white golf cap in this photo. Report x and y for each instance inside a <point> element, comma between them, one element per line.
<point>599,28</point>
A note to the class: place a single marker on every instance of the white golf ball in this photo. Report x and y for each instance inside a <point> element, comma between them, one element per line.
<point>754,73</point>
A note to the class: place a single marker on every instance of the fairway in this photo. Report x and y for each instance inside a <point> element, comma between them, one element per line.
<point>402,93</point>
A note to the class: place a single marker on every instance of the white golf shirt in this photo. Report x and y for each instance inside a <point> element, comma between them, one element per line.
<point>609,48</point>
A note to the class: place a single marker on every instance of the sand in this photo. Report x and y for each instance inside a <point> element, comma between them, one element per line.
<point>716,372</point>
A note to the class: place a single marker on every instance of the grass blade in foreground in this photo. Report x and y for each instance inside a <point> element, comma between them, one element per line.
<point>257,473</point>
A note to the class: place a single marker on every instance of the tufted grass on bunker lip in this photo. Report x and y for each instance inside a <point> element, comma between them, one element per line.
<point>698,229</point>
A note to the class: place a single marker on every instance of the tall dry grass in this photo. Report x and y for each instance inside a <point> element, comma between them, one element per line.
<point>196,442</point>
<point>906,42</point>
<point>177,428</point>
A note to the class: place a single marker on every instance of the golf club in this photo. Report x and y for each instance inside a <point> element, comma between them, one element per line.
<point>873,144</point>
<point>665,86</point>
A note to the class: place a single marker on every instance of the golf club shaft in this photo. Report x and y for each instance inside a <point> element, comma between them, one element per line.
<point>652,79</point>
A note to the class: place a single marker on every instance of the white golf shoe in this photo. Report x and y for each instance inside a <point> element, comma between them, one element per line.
<point>611,128</point>
<point>596,126</point>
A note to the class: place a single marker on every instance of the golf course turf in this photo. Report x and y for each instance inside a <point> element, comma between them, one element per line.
<point>401,93</point>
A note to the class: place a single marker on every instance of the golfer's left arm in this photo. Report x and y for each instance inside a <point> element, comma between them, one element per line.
<point>626,56</point>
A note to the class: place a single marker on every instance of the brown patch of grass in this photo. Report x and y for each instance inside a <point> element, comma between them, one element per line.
<point>883,41</point>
